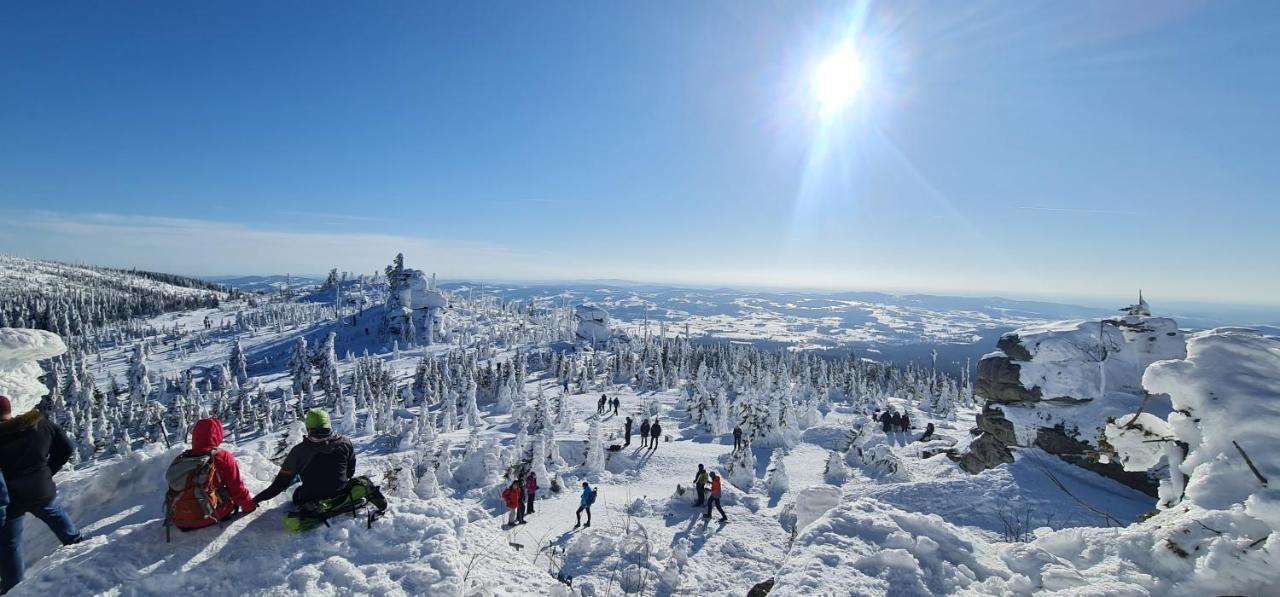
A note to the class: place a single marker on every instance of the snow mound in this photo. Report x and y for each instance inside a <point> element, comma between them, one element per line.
<point>19,372</point>
<point>1226,400</point>
<point>866,547</point>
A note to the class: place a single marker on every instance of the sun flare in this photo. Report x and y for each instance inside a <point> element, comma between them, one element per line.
<point>838,79</point>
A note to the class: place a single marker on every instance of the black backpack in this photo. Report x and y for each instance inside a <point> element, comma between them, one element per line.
<point>592,500</point>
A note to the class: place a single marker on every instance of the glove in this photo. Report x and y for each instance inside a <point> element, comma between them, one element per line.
<point>250,507</point>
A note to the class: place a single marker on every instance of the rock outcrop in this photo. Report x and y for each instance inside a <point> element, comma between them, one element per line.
<point>1054,387</point>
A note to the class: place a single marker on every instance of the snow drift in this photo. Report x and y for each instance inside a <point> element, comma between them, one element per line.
<point>19,371</point>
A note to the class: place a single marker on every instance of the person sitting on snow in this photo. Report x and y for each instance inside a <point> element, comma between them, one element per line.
<point>928,433</point>
<point>206,436</point>
<point>324,461</point>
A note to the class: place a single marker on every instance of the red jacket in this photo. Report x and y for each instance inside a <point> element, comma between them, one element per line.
<point>206,436</point>
<point>715,486</point>
<point>531,485</point>
<point>511,496</point>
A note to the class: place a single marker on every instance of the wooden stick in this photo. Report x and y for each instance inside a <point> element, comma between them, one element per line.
<point>1249,462</point>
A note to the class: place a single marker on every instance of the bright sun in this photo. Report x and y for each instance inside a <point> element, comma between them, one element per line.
<point>837,79</point>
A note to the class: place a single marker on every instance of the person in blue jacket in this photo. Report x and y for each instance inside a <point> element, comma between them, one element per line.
<point>584,505</point>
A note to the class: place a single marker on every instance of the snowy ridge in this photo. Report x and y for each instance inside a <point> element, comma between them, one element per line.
<point>73,299</point>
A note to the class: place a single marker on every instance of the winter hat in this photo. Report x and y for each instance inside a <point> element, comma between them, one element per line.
<point>317,419</point>
<point>6,406</point>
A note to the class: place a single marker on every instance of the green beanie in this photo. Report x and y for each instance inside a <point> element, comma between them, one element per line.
<point>317,419</point>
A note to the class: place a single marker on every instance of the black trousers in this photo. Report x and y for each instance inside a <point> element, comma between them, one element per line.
<point>715,501</point>
<point>702,495</point>
<point>578,515</point>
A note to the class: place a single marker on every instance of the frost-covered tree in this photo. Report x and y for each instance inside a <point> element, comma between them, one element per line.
<point>835,472</point>
<point>777,473</point>
<point>300,370</point>
<point>329,379</point>
<point>238,364</point>
<point>139,384</point>
<point>593,459</point>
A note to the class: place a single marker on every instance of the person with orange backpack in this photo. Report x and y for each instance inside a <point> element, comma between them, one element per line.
<point>205,487</point>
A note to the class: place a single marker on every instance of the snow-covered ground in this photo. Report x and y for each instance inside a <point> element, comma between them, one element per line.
<point>924,527</point>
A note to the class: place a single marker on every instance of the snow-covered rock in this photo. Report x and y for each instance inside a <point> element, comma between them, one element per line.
<point>1056,386</point>
<point>20,349</point>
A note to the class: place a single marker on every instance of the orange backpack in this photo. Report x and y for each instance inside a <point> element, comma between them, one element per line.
<point>193,491</point>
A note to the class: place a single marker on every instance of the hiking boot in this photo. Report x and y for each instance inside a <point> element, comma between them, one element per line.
<point>587,525</point>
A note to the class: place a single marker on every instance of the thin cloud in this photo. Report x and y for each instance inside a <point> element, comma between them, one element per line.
<point>202,247</point>
<point>337,217</point>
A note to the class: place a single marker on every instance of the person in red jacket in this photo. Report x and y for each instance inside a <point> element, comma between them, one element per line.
<point>206,437</point>
<point>714,500</point>
<point>511,497</point>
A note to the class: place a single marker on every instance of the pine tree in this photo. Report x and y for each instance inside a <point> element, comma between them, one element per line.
<point>238,364</point>
<point>300,370</point>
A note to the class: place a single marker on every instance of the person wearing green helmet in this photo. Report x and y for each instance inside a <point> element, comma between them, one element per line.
<point>324,461</point>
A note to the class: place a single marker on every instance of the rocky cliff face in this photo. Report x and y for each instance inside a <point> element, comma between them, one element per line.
<point>1054,386</point>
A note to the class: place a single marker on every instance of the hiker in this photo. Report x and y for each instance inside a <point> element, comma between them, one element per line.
<point>511,497</point>
<point>324,461</point>
<point>905,422</point>
<point>616,405</point>
<point>700,483</point>
<point>205,477</point>
<point>737,438</point>
<point>627,428</point>
<point>928,433</point>
<point>655,431</point>
<point>891,422</point>
<point>32,450</point>
<point>714,500</point>
<point>530,490</point>
<point>600,405</point>
<point>584,505</point>
<point>644,433</point>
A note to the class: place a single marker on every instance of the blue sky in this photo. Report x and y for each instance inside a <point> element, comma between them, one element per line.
<point>1057,149</point>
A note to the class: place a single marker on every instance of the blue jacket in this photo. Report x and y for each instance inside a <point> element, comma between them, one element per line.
<point>4,498</point>
<point>586,497</point>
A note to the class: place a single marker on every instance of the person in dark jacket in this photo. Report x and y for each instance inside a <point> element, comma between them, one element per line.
<point>644,433</point>
<point>928,433</point>
<point>886,421</point>
<point>32,450</point>
<point>206,436</point>
<point>737,438</point>
<point>627,428</point>
<point>601,404</point>
<point>616,405</point>
<point>530,491</point>
<point>655,431</point>
<point>904,423</point>
<point>324,461</point>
